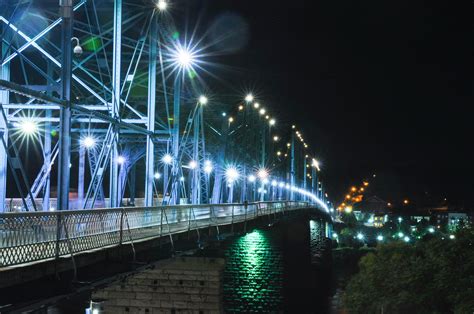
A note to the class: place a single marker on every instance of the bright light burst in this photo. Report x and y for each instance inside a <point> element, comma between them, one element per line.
<point>249,98</point>
<point>231,174</point>
<point>262,174</point>
<point>183,57</point>
<point>208,166</point>
<point>167,159</point>
<point>192,164</point>
<point>203,100</point>
<point>88,142</point>
<point>121,160</point>
<point>162,5</point>
<point>28,127</point>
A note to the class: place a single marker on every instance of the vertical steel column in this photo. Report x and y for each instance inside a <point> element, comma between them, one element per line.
<point>304,173</point>
<point>196,172</point>
<point>65,111</point>
<point>150,146</point>
<point>116,63</point>
<point>47,143</point>
<point>175,182</point>
<point>132,184</point>
<point>219,169</point>
<point>4,99</point>
<point>314,180</point>
<point>244,192</point>
<point>263,145</point>
<point>292,165</point>
<point>81,170</point>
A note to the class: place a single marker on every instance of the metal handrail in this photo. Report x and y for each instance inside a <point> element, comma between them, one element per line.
<point>33,236</point>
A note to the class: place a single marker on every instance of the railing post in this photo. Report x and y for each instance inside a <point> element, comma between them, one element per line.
<point>58,233</point>
<point>121,225</point>
<point>232,222</point>
<point>246,204</point>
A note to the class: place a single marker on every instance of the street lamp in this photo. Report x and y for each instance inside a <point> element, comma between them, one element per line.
<point>157,175</point>
<point>203,100</point>
<point>262,174</point>
<point>88,142</point>
<point>121,160</point>
<point>231,174</point>
<point>28,127</point>
<point>167,159</point>
<point>192,164</point>
<point>162,5</point>
<point>249,98</point>
<point>208,166</point>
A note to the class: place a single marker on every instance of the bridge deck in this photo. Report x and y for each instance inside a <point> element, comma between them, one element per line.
<point>36,236</point>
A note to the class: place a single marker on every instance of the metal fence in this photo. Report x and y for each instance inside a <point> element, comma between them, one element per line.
<point>32,236</point>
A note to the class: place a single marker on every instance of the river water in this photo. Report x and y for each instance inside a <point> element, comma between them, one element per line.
<point>267,270</point>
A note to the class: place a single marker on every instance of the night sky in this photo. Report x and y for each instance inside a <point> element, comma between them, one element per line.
<point>377,87</point>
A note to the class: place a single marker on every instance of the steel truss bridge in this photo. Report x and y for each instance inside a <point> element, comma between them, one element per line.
<point>107,136</point>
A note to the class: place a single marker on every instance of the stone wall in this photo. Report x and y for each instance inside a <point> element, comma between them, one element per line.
<point>178,285</point>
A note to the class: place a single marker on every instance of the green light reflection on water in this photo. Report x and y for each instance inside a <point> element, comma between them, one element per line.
<point>254,270</point>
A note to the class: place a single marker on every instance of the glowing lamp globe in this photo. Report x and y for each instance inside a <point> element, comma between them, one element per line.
<point>28,127</point>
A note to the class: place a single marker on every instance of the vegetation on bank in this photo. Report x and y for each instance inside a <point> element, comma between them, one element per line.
<point>433,275</point>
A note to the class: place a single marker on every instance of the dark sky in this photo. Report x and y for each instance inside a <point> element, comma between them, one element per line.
<point>379,87</point>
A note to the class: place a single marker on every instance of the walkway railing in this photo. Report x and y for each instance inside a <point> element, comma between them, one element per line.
<point>32,236</point>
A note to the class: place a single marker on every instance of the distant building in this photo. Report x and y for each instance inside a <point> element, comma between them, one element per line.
<point>373,212</point>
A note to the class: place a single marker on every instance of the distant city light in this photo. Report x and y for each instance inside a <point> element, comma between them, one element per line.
<point>262,111</point>
<point>348,209</point>
<point>360,236</point>
<point>272,122</point>
<point>252,178</point>
<point>256,105</point>
<point>276,138</point>
<point>452,236</point>
<point>431,230</point>
<point>379,238</point>
<point>157,175</point>
<point>406,239</point>
<point>400,234</point>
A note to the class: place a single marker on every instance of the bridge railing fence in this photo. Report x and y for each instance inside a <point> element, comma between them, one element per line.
<point>31,236</point>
